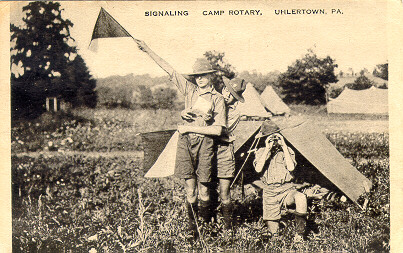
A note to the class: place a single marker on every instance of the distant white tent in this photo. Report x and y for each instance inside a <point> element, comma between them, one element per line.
<point>368,101</point>
<point>273,102</point>
<point>253,106</point>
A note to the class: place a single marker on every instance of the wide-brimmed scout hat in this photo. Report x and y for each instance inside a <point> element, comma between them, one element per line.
<point>201,67</point>
<point>236,87</point>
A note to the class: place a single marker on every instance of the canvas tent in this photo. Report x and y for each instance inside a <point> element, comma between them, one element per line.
<point>303,137</point>
<point>253,106</point>
<point>378,81</point>
<point>317,150</point>
<point>320,152</point>
<point>368,101</point>
<point>273,102</point>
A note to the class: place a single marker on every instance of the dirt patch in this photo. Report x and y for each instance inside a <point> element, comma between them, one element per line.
<point>113,154</point>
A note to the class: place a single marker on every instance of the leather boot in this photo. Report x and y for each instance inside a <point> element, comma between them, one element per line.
<point>205,211</point>
<point>227,215</point>
<point>300,224</point>
<point>191,210</point>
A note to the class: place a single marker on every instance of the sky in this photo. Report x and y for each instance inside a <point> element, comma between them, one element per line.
<point>263,43</point>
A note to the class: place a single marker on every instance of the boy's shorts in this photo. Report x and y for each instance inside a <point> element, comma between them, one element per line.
<point>194,157</point>
<point>273,199</point>
<point>225,160</point>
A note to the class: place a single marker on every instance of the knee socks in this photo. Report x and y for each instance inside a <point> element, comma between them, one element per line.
<point>191,209</point>
<point>300,223</point>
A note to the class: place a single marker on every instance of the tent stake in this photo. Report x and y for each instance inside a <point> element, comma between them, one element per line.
<point>364,206</point>
<point>246,159</point>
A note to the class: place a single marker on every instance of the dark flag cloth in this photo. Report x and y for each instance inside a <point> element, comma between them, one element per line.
<point>153,145</point>
<point>107,27</point>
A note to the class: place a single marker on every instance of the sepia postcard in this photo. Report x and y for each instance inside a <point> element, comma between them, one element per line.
<point>139,126</point>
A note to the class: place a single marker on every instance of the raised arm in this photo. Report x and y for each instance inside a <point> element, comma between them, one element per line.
<point>178,79</point>
<point>161,62</point>
<point>289,161</point>
<point>263,157</point>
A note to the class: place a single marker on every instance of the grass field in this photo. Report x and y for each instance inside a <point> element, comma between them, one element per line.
<point>78,186</point>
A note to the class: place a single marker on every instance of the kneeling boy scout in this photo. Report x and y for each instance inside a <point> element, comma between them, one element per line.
<point>275,162</point>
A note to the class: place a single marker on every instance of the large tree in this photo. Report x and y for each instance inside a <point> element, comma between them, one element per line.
<point>306,80</point>
<point>78,84</point>
<point>48,61</point>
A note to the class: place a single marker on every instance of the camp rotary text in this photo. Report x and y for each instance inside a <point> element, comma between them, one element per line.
<point>232,12</point>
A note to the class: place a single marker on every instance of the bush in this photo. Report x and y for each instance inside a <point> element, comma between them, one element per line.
<point>164,98</point>
<point>334,92</point>
<point>361,83</point>
<point>90,130</point>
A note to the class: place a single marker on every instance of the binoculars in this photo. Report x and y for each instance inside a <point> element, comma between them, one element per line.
<point>274,138</point>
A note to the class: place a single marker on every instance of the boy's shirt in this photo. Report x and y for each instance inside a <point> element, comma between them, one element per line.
<point>232,121</point>
<point>209,107</point>
<point>275,171</point>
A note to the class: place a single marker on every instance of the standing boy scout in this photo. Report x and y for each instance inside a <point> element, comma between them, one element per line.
<point>205,113</point>
<point>232,93</point>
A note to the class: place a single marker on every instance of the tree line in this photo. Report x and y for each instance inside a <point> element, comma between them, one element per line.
<point>48,65</point>
<point>140,91</point>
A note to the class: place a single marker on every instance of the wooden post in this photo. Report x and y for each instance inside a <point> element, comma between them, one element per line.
<point>327,101</point>
<point>55,104</point>
<point>47,104</point>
